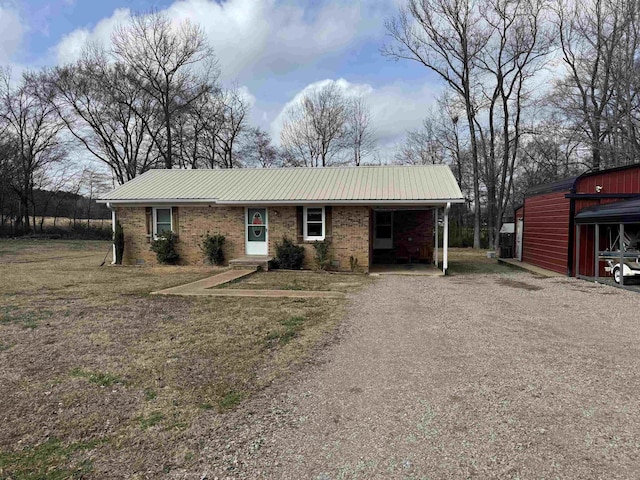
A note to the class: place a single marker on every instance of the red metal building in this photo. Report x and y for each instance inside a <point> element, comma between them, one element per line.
<point>547,229</point>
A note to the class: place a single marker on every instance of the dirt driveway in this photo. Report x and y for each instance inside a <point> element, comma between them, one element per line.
<point>485,376</point>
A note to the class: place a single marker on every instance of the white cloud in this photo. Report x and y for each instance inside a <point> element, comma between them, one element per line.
<point>71,45</point>
<point>11,33</point>
<point>248,36</point>
<point>395,108</point>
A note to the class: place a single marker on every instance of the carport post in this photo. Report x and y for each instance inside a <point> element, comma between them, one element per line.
<point>596,246</point>
<point>445,240</point>
<point>622,254</point>
<point>435,251</point>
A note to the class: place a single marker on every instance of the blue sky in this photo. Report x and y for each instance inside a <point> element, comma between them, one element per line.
<point>273,49</point>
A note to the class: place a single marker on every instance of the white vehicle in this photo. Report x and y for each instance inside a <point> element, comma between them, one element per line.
<point>630,260</point>
<point>629,268</point>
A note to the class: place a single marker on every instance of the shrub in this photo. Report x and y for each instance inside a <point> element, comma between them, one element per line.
<point>118,241</point>
<point>212,248</point>
<point>165,249</point>
<point>323,255</point>
<point>289,255</point>
<point>353,263</point>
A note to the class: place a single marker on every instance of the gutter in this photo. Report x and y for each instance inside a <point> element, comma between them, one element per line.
<point>176,201</point>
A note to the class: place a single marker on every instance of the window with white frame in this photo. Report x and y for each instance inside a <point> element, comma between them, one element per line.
<point>161,221</point>
<point>314,223</point>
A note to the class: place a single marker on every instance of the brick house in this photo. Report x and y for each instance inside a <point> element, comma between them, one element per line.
<point>376,214</point>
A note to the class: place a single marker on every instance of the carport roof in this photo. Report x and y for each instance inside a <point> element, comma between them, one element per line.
<point>423,184</point>
<point>618,212</point>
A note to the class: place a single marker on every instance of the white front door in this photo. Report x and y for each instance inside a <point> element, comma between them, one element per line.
<point>256,231</point>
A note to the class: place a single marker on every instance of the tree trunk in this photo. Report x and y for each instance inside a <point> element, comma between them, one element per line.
<point>476,174</point>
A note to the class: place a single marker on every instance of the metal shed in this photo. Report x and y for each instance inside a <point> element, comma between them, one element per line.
<point>552,218</point>
<point>616,231</point>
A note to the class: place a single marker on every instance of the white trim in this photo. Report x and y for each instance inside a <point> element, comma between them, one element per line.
<point>305,235</point>
<point>204,201</point>
<point>266,232</point>
<point>155,219</point>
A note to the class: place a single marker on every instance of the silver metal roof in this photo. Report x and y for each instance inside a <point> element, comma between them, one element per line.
<point>421,184</point>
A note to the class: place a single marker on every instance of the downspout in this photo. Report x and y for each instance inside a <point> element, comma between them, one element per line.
<point>113,230</point>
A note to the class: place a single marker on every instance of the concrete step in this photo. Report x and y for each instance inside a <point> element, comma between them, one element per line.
<point>250,262</point>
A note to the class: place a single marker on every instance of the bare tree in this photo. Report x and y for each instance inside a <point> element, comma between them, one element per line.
<point>359,134</point>
<point>197,131</point>
<point>447,37</point>
<point>107,111</point>
<point>423,146</point>
<point>27,116</point>
<point>599,43</point>
<point>300,146</point>
<point>516,50</point>
<point>173,65</point>
<point>314,130</point>
<point>257,149</point>
<point>234,110</point>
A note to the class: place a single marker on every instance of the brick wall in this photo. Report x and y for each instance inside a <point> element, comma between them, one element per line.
<point>136,241</point>
<point>350,233</point>
<point>413,230</point>
<point>351,236</point>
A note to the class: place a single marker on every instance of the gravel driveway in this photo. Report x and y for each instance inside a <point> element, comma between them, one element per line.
<point>485,376</point>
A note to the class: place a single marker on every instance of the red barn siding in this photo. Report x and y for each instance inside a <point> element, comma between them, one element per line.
<point>622,181</point>
<point>546,231</point>
<point>617,181</point>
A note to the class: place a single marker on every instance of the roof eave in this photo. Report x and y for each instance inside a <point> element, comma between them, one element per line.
<point>201,201</point>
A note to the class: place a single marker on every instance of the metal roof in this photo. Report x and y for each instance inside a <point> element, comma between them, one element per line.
<point>565,184</point>
<point>617,212</point>
<point>421,184</point>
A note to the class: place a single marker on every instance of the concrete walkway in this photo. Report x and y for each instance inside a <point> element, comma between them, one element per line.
<point>201,287</point>
<point>205,287</point>
<point>530,268</point>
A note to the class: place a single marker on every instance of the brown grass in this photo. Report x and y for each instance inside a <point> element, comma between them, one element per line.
<point>463,261</point>
<point>64,222</point>
<point>98,376</point>
<point>303,280</point>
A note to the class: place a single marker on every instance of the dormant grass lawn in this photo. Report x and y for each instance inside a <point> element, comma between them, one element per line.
<point>464,261</point>
<point>98,378</point>
<point>303,280</point>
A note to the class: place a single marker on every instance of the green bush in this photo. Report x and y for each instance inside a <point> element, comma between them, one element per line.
<point>212,248</point>
<point>118,241</point>
<point>323,255</point>
<point>289,255</point>
<point>165,249</point>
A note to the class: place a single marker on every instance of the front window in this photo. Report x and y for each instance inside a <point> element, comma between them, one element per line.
<point>314,223</point>
<point>161,221</point>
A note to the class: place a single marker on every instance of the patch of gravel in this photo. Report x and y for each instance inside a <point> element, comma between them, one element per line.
<point>493,376</point>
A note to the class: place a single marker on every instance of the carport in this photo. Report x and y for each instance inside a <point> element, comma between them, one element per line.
<point>610,235</point>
